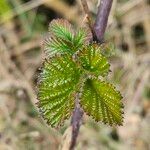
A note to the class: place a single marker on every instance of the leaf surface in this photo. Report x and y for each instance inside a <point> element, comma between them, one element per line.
<point>102,101</point>
<point>62,38</point>
<point>93,61</point>
<point>72,72</point>
<point>59,78</point>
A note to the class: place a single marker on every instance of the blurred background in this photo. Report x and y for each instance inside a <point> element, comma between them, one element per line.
<point>23,26</point>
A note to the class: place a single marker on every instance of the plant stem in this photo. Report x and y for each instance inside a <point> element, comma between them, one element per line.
<point>87,12</point>
<point>102,19</point>
<point>76,122</point>
<point>98,35</point>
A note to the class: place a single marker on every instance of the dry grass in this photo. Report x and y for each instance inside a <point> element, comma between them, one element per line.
<point>21,55</point>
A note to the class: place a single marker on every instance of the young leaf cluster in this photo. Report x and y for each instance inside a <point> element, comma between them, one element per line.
<point>75,66</point>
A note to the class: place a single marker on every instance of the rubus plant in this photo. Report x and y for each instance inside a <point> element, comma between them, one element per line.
<point>74,67</point>
<point>73,78</point>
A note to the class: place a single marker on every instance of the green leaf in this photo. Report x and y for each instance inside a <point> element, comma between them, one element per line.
<point>102,101</point>
<point>82,37</point>
<point>62,38</point>
<point>54,45</point>
<point>73,69</point>
<point>61,28</point>
<point>59,78</point>
<point>93,61</point>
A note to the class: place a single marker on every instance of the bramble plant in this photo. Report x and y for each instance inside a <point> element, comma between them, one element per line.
<point>76,68</point>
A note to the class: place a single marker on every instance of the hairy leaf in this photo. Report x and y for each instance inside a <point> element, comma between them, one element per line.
<point>59,77</point>
<point>54,45</point>
<point>71,73</point>
<point>63,39</point>
<point>82,37</point>
<point>93,61</point>
<point>61,28</point>
<point>102,101</point>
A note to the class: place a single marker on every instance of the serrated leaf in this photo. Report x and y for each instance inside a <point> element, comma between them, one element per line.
<point>102,101</point>
<point>72,71</point>
<point>82,37</point>
<point>59,78</point>
<point>62,38</point>
<point>93,61</point>
<point>61,28</point>
<point>54,45</point>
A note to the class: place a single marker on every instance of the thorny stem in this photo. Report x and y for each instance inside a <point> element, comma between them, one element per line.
<point>98,35</point>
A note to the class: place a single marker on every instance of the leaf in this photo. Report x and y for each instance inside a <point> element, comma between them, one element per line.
<point>54,45</point>
<point>59,78</point>
<point>102,101</point>
<point>82,37</point>
<point>62,38</point>
<point>61,28</point>
<point>93,61</point>
<point>72,71</point>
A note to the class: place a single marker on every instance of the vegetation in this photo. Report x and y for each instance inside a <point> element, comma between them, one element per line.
<point>23,25</point>
<point>75,69</point>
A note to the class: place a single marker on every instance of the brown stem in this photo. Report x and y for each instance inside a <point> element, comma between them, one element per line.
<point>102,19</point>
<point>76,122</point>
<point>87,12</point>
